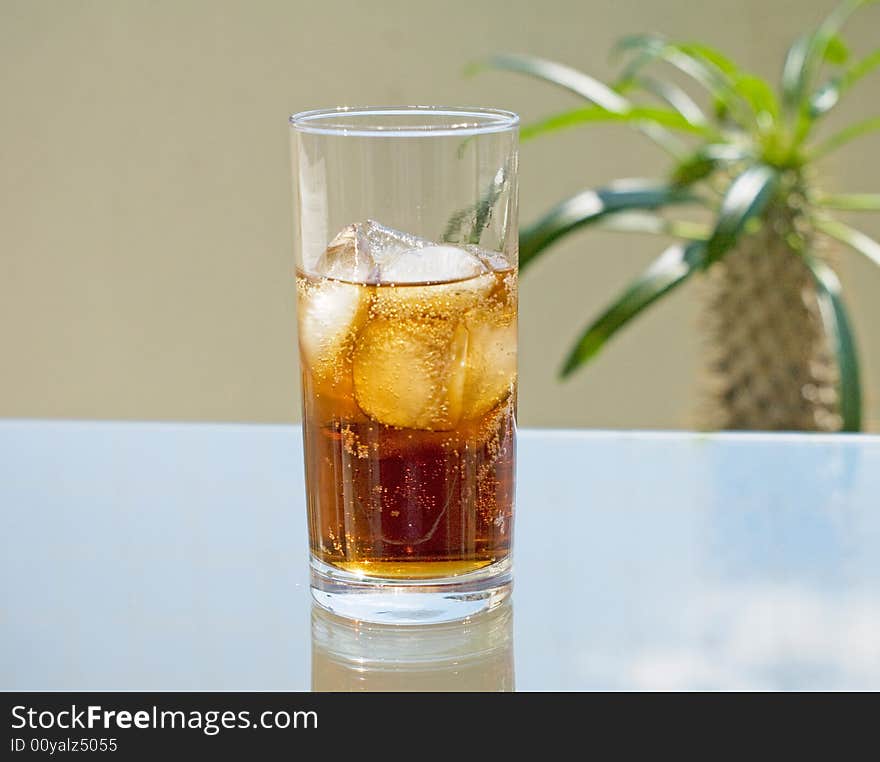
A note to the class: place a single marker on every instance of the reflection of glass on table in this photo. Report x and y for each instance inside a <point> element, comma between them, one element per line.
<point>471,655</point>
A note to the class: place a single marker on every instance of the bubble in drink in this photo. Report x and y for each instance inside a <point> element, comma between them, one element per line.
<point>409,369</point>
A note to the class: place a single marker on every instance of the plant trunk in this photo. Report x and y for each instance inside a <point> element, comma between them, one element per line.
<point>769,362</point>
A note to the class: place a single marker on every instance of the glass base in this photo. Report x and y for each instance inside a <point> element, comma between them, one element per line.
<point>410,601</point>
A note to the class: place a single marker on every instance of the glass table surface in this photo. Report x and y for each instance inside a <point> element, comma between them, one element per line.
<point>166,556</point>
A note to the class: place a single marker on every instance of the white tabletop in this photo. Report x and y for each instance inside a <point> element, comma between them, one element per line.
<point>174,556</point>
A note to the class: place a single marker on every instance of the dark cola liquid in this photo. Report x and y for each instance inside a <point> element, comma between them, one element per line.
<point>411,504</point>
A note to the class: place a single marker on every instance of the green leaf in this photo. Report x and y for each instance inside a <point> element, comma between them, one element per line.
<point>590,206</point>
<point>671,94</point>
<point>671,269</point>
<point>731,88</point>
<point>745,200</point>
<point>710,55</point>
<point>663,138</point>
<point>855,239</point>
<point>827,96</point>
<point>843,137</point>
<point>809,51</point>
<point>582,85</point>
<point>793,71</point>
<point>837,52</point>
<point>693,169</point>
<point>690,59</point>
<point>654,224</point>
<point>467,225</point>
<point>636,115</point>
<point>759,95</point>
<point>837,326</point>
<point>560,75</point>
<point>754,90</point>
<point>705,160</point>
<point>853,202</point>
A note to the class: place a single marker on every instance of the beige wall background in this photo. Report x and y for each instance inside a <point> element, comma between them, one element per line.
<point>145,254</point>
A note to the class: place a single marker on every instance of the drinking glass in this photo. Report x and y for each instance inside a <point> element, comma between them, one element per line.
<point>406,253</point>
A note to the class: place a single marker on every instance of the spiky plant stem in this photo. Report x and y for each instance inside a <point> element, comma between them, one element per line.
<point>769,361</point>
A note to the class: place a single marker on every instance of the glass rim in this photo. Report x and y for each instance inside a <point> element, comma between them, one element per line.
<point>447,120</point>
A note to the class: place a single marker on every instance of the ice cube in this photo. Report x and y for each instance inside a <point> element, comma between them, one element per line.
<point>491,364</point>
<point>411,374</point>
<point>348,257</point>
<point>492,260</point>
<point>357,251</point>
<point>329,314</point>
<point>385,243</point>
<point>408,339</point>
<point>433,281</point>
<point>434,263</point>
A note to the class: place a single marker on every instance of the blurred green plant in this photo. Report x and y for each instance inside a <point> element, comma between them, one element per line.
<point>745,154</point>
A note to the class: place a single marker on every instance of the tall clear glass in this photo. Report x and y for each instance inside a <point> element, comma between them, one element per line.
<point>406,235</point>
